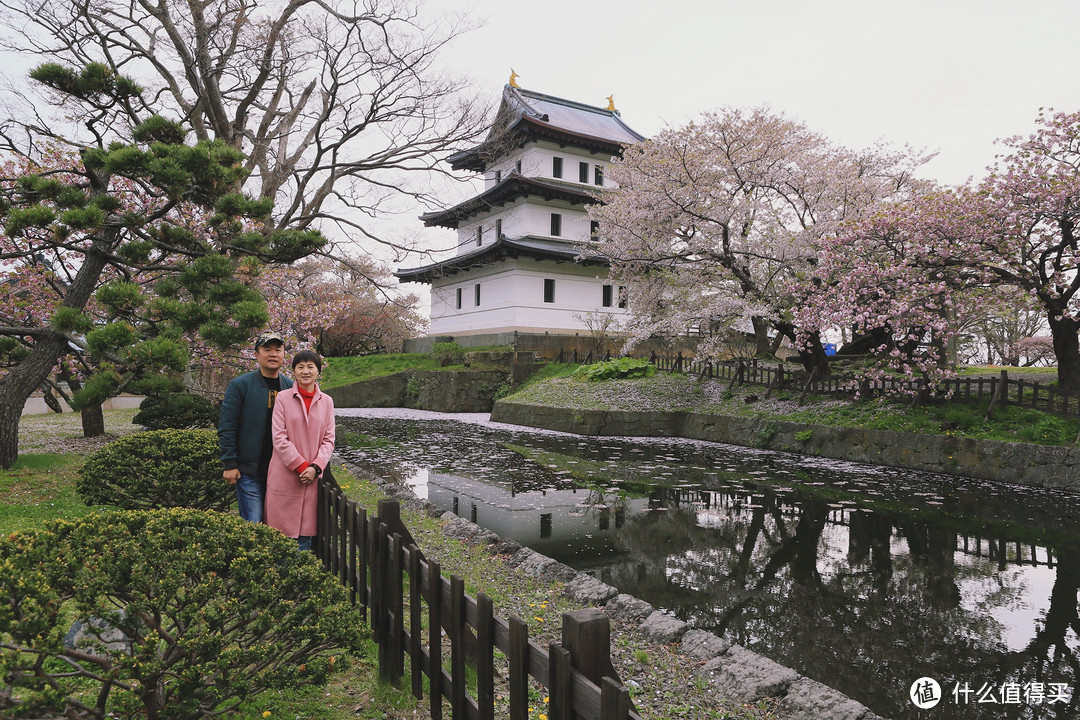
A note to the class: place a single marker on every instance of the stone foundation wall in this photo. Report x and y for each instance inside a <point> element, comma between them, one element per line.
<point>1020,463</point>
<point>438,390</point>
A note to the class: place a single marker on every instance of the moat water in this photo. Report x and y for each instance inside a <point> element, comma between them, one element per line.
<point>862,577</point>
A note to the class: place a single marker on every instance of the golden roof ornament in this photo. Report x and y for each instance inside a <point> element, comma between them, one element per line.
<point>513,78</point>
<point>611,102</point>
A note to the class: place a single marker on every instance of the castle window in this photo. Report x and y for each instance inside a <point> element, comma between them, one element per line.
<point>556,224</point>
<point>556,167</point>
<point>459,298</point>
<point>598,175</point>
<point>609,293</point>
<point>498,229</point>
<point>549,290</point>
<point>476,299</point>
<point>622,296</point>
<point>594,229</point>
<point>498,176</point>
<point>517,167</point>
<point>583,172</point>
<point>479,235</point>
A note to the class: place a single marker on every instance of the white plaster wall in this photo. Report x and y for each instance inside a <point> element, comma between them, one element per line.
<point>536,162</point>
<point>512,298</point>
<point>537,221</point>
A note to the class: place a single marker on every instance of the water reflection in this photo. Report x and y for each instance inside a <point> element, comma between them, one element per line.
<point>864,578</point>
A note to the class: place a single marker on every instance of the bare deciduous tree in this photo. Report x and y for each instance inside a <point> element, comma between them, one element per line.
<point>335,104</point>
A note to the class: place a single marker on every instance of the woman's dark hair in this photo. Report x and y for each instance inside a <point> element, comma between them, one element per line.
<point>307,356</point>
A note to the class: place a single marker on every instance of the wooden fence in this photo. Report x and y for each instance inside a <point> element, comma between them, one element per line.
<point>1001,390</point>
<point>374,556</point>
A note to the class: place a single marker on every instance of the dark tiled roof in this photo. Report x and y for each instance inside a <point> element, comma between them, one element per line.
<point>528,246</point>
<point>511,188</point>
<point>526,114</point>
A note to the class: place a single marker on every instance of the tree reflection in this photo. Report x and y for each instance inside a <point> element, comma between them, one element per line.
<point>867,621</point>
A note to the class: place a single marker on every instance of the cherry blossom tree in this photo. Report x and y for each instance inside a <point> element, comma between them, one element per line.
<point>127,247</point>
<point>902,279</point>
<point>710,223</point>
<point>913,272</point>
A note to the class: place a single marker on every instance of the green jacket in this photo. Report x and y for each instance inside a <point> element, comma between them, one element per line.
<point>243,421</point>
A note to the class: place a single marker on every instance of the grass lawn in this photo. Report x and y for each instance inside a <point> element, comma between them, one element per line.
<point>555,385</point>
<point>340,371</point>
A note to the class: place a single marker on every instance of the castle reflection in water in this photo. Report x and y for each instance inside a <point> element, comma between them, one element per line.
<point>864,578</point>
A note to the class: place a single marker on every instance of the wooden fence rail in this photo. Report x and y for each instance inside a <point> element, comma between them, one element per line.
<point>1017,392</point>
<point>373,557</point>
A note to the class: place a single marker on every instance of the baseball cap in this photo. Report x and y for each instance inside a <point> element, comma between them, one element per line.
<point>268,336</point>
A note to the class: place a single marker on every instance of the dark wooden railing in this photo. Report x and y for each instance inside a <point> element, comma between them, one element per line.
<point>373,557</point>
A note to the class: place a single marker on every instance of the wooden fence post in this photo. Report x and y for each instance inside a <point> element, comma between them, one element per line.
<point>1000,386</point>
<point>381,566</point>
<point>809,382</point>
<point>395,604</point>
<point>586,634</point>
<point>518,657</point>
<point>485,644</point>
<point>435,601</point>
<point>416,591</point>
<point>559,676</point>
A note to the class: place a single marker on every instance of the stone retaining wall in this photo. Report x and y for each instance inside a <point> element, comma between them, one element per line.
<point>438,390</point>
<point>733,671</point>
<point>1020,463</point>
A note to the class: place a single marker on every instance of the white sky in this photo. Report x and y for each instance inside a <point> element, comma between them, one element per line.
<point>945,75</point>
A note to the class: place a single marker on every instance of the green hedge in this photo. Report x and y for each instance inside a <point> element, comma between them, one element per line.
<point>190,613</point>
<point>158,469</point>
<point>180,410</point>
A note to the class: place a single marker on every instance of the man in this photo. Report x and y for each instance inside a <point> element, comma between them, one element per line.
<point>244,425</point>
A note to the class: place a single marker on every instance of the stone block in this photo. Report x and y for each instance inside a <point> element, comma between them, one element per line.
<point>504,546</point>
<point>743,676</point>
<point>532,563</point>
<point>560,572</point>
<point>808,699</point>
<point>662,628</point>
<point>627,608</point>
<point>703,645</point>
<point>588,590</point>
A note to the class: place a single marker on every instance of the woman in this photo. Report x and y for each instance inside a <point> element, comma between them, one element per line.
<point>303,432</point>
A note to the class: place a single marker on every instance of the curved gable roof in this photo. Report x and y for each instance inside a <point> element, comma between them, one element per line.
<point>511,188</point>
<point>524,114</point>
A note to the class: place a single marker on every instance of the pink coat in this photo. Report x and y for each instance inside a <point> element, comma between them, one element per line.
<point>299,435</point>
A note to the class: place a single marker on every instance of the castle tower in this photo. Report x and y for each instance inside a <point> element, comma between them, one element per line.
<point>524,259</point>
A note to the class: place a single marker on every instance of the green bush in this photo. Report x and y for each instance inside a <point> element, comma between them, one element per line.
<point>181,410</point>
<point>183,614</point>
<point>157,469</point>
<point>448,353</point>
<point>618,369</point>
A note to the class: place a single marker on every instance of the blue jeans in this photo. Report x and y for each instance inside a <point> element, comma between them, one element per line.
<point>304,542</point>
<point>250,494</point>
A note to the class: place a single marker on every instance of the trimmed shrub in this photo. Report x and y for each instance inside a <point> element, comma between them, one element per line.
<point>157,469</point>
<point>448,353</point>
<point>618,369</point>
<point>184,614</point>
<point>180,410</point>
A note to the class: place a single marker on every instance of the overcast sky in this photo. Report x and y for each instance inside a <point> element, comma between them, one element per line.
<point>945,75</point>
